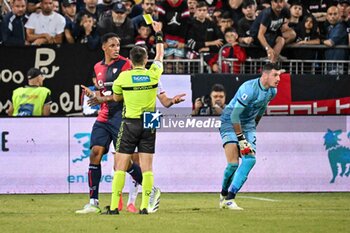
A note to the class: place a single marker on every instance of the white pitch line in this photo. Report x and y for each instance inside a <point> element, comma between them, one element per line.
<point>258,198</point>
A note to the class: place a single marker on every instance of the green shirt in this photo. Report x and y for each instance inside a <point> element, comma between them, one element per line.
<point>139,89</point>
<point>29,101</point>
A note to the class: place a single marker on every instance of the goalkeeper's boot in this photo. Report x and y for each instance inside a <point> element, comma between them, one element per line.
<point>231,205</point>
<point>110,212</point>
<point>154,200</point>
<point>131,208</point>
<point>222,199</point>
<point>89,209</point>
<point>144,211</point>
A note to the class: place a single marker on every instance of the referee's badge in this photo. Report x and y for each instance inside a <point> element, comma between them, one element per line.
<point>115,70</point>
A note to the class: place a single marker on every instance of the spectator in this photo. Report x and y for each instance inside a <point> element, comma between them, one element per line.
<point>87,32</point>
<point>307,34</point>
<point>216,16</point>
<point>174,15</point>
<point>149,7</point>
<point>90,9</point>
<point>33,6</point>
<point>235,9</point>
<point>271,31</point>
<point>119,23</point>
<point>244,24</point>
<point>12,26</point>
<point>70,9</point>
<point>226,21</point>
<point>234,51</point>
<point>296,13</point>
<point>56,6</point>
<point>145,39</point>
<point>192,5</point>
<point>343,7</point>
<point>106,5</point>
<point>205,37</point>
<point>211,105</point>
<point>212,5</point>
<point>31,100</point>
<point>132,10</point>
<point>45,27</point>
<point>336,35</point>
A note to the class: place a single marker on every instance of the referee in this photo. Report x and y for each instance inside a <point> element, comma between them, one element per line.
<point>138,88</point>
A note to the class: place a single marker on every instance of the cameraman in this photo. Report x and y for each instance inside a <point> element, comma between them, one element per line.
<point>211,105</point>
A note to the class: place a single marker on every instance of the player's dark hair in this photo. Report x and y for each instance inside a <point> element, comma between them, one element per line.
<point>217,87</point>
<point>138,55</point>
<point>270,66</point>
<point>107,36</point>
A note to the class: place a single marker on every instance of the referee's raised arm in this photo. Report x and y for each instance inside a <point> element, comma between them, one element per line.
<point>157,27</point>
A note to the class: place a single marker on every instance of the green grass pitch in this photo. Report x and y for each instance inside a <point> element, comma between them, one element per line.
<point>182,213</point>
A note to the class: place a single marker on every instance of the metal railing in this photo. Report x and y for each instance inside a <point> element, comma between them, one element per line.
<point>183,66</point>
<point>293,66</point>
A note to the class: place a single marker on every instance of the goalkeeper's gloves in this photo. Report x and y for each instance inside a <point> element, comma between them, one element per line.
<point>244,146</point>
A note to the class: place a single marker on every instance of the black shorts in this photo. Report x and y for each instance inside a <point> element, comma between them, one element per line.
<point>132,135</point>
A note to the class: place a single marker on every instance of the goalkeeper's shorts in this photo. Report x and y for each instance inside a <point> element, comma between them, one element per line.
<point>229,136</point>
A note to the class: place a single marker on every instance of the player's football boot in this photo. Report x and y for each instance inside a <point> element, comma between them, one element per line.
<point>131,208</point>
<point>222,199</point>
<point>154,200</point>
<point>109,211</point>
<point>231,204</point>
<point>89,209</point>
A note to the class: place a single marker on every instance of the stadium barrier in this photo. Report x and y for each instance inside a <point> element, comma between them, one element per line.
<point>294,154</point>
<point>293,66</point>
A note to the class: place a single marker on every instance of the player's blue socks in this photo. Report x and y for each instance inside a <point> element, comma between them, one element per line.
<point>228,176</point>
<point>241,175</point>
<point>135,172</point>
<point>94,179</point>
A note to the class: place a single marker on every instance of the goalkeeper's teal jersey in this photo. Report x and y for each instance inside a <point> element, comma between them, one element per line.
<point>253,98</point>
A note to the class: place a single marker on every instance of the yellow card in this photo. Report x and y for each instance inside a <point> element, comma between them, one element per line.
<point>148,18</point>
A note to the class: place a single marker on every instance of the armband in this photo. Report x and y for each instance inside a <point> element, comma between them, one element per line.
<point>159,37</point>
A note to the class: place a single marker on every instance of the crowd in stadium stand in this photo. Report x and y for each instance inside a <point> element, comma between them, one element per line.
<point>190,27</point>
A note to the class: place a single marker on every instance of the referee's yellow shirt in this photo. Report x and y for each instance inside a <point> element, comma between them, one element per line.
<point>139,89</point>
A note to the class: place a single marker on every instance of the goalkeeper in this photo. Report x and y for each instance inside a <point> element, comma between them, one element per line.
<point>238,129</point>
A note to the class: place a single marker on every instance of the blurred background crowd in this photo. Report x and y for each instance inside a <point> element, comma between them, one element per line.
<point>250,29</point>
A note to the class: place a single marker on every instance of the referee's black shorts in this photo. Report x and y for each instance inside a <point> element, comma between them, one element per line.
<point>132,135</point>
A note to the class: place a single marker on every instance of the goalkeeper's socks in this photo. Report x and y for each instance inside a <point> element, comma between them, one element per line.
<point>94,179</point>
<point>241,175</point>
<point>135,172</point>
<point>117,188</point>
<point>147,185</point>
<point>228,177</point>
<point>230,196</point>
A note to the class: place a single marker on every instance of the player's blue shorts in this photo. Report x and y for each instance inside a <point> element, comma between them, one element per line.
<point>103,134</point>
<point>229,136</point>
